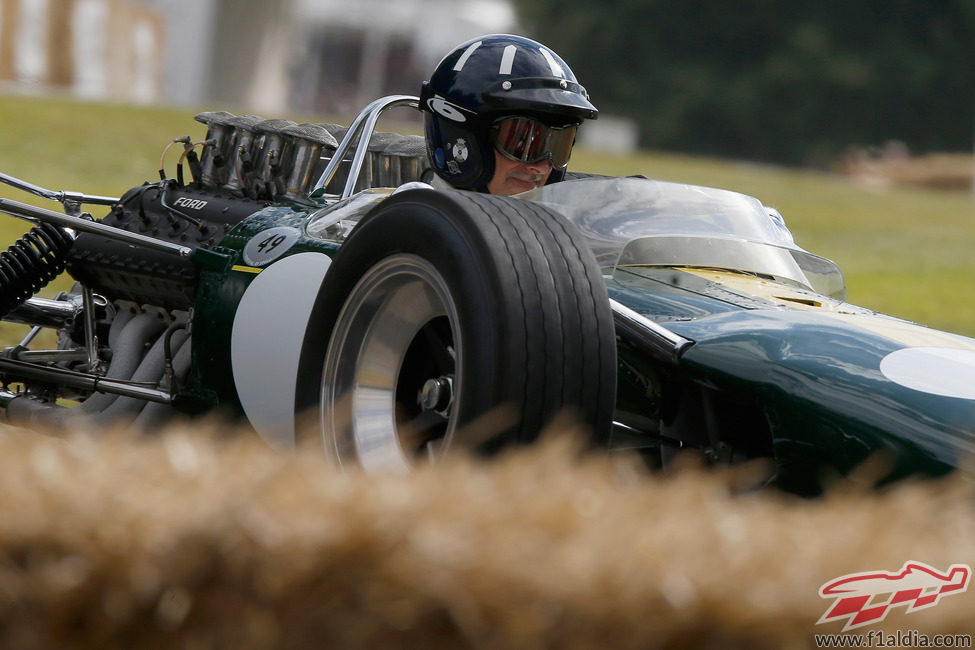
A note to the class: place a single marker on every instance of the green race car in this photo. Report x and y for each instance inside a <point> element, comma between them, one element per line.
<point>307,279</point>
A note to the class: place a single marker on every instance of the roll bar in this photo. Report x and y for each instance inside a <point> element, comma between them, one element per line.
<point>361,132</point>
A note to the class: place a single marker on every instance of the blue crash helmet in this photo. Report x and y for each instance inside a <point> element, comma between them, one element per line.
<point>478,87</point>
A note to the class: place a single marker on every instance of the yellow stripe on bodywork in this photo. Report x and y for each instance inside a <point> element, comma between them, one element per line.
<point>245,269</point>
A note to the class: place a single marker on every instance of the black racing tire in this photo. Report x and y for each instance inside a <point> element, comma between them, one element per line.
<point>445,306</point>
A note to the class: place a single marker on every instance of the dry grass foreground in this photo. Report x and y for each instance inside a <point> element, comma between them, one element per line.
<point>200,541</point>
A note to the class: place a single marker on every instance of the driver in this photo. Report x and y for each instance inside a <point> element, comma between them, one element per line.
<point>501,114</point>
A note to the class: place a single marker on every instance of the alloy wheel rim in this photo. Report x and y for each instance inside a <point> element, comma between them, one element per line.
<point>392,369</point>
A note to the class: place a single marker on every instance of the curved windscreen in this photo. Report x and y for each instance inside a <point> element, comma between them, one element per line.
<point>640,222</point>
<point>335,222</point>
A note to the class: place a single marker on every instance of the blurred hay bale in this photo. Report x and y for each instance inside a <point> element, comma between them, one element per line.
<point>893,166</point>
<point>200,541</point>
<point>941,171</point>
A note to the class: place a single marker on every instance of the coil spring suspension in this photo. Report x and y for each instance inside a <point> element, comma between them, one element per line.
<point>31,262</point>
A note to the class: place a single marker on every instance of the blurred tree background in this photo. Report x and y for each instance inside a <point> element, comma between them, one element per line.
<point>787,81</point>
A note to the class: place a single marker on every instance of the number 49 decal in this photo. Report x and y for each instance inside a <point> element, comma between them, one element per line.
<point>269,245</point>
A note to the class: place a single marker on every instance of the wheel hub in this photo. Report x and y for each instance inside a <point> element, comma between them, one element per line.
<point>437,395</point>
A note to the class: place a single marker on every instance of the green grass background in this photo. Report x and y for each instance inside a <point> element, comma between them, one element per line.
<point>905,252</point>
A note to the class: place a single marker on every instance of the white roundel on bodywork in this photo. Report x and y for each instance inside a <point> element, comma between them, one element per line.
<point>948,372</point>
<point>266,339</point>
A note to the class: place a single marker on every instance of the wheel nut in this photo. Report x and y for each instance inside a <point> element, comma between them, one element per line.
<point>435,394</point>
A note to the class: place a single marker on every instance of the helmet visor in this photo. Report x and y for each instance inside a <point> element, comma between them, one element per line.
<point>527,140</point>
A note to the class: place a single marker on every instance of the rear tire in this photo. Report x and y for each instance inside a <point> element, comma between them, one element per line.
<point>442,307</point>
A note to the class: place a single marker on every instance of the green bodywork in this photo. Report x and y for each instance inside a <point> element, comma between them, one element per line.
<point>774,371</point>
<point>808,379</point>
<point>220,290</point>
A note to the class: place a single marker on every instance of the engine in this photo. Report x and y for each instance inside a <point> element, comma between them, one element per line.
<point>247,163</point>
<point>124,330</point>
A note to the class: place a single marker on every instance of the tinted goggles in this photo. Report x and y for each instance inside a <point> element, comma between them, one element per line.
<point>527,140</point>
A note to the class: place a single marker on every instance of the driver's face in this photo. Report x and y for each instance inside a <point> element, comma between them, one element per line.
<point>511,177</point>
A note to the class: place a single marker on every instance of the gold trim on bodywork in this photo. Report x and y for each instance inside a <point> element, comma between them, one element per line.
<point>904,332</point>
<point>245,269</point>
<point>778,293</point>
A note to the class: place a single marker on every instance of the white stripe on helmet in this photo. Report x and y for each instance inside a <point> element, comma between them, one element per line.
<point>507,59</point>
<point>466,55</point>
<point>552,63</point>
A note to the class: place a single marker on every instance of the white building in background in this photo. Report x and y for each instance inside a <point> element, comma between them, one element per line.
<point>269,56</point>
<point>376,47</point>
<point>89,48</point>
<point>322,56</point>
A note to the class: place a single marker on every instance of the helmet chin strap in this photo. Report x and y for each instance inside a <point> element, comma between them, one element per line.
<point>556,176</point>
<point>489,168</point>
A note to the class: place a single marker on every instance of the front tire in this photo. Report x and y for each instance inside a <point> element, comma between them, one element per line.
<point>445,307</point>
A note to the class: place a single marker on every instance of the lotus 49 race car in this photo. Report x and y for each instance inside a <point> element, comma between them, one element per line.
<point>306,278</point>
